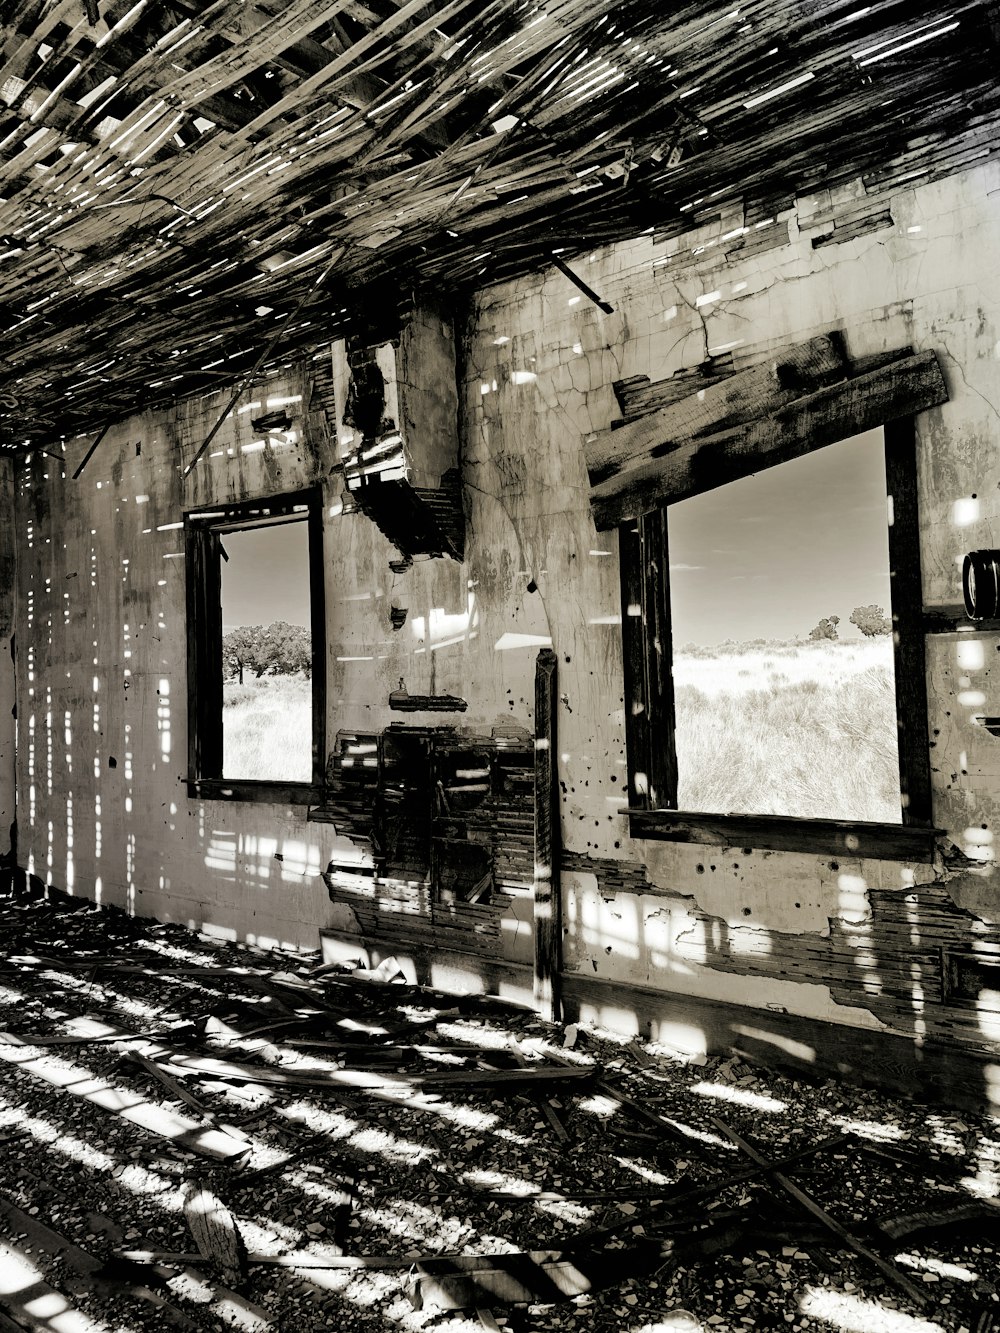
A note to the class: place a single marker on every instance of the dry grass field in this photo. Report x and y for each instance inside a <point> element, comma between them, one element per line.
<point>267,729</point>
<point>806,729</point>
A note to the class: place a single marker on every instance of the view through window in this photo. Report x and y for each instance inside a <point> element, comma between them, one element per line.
<point>267,726</point>
<point>782,643</point>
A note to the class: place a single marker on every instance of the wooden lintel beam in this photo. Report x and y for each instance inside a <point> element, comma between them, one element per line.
<point>710,403</point>
<point>831,414</point>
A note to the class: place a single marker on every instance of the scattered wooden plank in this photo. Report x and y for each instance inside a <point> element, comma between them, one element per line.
<point>215,1231</point>
<point>177,1089</point>
<point>352,1079</point>
<point>247,1179</point>
<point>962,1213</point>
<point>532,1276</point>
<point>129,1106</point>
<point>28,1288</point>
<point>311,1258</point>
<point>558,1128</point>
<point>668,1128</point>
<point>713,1188</point>
<point>888,1270</point>
<point>86,1266</point>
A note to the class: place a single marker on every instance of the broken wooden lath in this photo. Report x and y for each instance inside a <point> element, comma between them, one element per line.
<point>436,831</point>
<point>397,431</point>
<point>173,179</point>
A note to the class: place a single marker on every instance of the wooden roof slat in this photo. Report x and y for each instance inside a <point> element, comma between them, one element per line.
<point>221,156</point>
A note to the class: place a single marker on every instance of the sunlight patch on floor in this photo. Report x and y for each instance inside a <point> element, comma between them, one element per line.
<point>853,1314</point>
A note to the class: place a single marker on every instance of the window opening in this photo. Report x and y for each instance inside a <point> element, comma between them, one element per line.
<point>256,649</point>
<point>267,654</point>
<point>783,671</point>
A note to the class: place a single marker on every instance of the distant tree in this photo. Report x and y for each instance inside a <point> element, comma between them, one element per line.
<point>871,620</point>
<point>278,648</point>
<point>246,648</point>
<point>292,647</point>
<point>826,629</point>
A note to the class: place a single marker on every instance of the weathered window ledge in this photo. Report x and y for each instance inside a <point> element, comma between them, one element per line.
<point>266,793</point>
<point>781,833</point>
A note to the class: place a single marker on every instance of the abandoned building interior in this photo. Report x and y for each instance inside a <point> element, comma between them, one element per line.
<point>499,694</point>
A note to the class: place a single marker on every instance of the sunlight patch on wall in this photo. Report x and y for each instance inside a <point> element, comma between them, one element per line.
<point>978,844</point>
<point>512,640</point>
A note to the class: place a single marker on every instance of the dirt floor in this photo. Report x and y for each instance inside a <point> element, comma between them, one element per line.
<point>198,1135</point>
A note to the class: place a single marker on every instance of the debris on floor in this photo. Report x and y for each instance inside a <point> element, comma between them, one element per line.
<point>202,1135</point>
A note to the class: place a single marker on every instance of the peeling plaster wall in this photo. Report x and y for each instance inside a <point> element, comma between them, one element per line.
<point>101,618</point>
<point>7,724</point>
<point>761,928</point>
<point>102,593</point>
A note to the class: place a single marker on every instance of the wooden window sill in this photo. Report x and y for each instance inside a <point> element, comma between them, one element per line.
<point>240,789</point>
<point>780,833</point>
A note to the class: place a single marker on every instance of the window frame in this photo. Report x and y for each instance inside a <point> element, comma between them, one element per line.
<point>203,531</point>
<point>649,690</point>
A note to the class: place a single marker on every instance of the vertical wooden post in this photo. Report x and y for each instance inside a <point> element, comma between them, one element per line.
<point>907,621</point>
<point>648,657</point>
<point>204,651</point>
<point>658,647</point>
<point>548,900</point>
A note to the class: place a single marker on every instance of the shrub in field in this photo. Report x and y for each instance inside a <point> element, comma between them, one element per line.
<point>871,620</point>
<point>278,648</point>
<point>826,629</point>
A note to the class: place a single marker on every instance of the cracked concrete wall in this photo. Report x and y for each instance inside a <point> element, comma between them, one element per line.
<point>102,808</point>
<point>7,723</point>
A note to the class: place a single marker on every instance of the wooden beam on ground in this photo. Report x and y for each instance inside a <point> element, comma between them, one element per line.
<point>119,1101</point>
<point>547,896</point>
<point>352,1080</point>
<point>27,1289</point>
<point>170,1083</point>
<point>534,1276</point>
<point>215,1231</point>
<point>85,1265</point>
<point>834,413</point>
<point>668,1128</point>
<point>888,1270</point>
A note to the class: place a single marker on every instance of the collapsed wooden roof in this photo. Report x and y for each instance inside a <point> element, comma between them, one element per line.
<point>184,189</point>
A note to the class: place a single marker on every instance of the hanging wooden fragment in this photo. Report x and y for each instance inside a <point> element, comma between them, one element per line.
<point>397,432</point>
